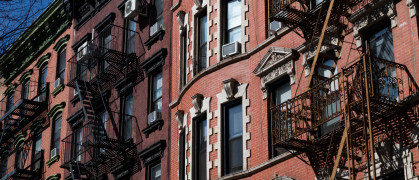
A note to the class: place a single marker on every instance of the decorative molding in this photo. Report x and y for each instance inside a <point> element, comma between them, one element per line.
<point>229,87</point>
<point>10,89</point>
<point>61,43</point>
<point>276,63</point>
<point>108,20</point>
<point>221,99</point>
<point>197,102</point>
<point>157,124</point>
<point>54,177</point>
<point>179,119</point>
<point>37,125</point>
<point>153,153</point>
<point>206,104</point>
<point>53,160</point>
<point>25,76</point>
<point>154,62</point>
<point>19,139</point>
<point>57,90</point>
<point>153,39</point>
<point>371,14</point>
<point>43,61</point>
<point>198,4</point>
<point>412,8</point>
<point>196,10</point>
<point>181,19</point>
<point>56,110</point>
<point>244,24</point>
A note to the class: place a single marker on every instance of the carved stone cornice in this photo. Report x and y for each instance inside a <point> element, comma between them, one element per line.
<point>276,63</point>
<point>229,87</point>
<point>197,102</point>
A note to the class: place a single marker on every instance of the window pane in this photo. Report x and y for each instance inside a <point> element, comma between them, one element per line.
<point>156,172</point>
<point>38,143</point>
<point>233,14</point>
<point>57,134</point>
<point>159,7</point>
<point>182,156</point>
<point>203,30</point>
<point>382,44</point>
<point>234,138</point>
<point>282,93</point>
<point>157,86</point>
<point>128,120</point>
<point>201,148</point>
<point>43,78</point>
<point>235,121</point>
<point>234,35</point>
<point>10,100</point>
<point>25,90</point>
<point>236,154</point>
<point>131,37</point>
<point>61,64</point>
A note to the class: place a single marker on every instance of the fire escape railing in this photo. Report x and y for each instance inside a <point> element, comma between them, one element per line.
<point>25,168</point>
<point>391,86</point>
<point>21,113</point>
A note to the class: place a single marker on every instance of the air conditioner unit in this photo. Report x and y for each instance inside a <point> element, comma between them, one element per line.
<point>82,51</point>
<point>275,25</point>
<point>58,82</point>
<point>133,9</point>
<point>53,152</point>
<point>153,116</point>
<point>231,49</point>
<point>155,28</point>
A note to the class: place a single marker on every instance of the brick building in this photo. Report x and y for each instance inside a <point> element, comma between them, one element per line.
<point>32,105</point>
<point>249,103</point>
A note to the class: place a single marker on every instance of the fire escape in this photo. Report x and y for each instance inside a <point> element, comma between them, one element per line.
<point>95,70</point>
<point>371,99</point>
<point>17,117</point>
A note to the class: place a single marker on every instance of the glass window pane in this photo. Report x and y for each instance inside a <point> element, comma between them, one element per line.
<point>382,44</point>
<point>236,154</point>
<point>282,93</point>
<point>202,30</point>
<point>156,172</point>
<point>233,14</point>
<point>127,133</point>
<point>159,7</point>
<point>234,35</point>
<point>157,86</point>
<point>43,78</point>
<point>235,121</point>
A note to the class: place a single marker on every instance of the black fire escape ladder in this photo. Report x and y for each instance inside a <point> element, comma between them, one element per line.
<point>109,111</point>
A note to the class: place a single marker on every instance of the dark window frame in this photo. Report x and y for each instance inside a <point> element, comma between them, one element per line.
<point>53,135</point>
<point>25,89</point>
<point>201,61</point>
<point>151,100</point>
<point>197,150</point>
<point>124,116</point>
<point>37,138</point>
<point>76,131</point>
<point>60,73</point>
<point>182,155</point>
<point>128,37</point>
<point>42,85</point>
<point>225,31</point>
<point>149,169</point>
<point>183,58</point>
<point>225,139</point>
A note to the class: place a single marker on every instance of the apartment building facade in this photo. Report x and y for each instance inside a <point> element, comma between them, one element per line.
<point>249,103</point>
<point>119,74</point>
<point>34,97</point>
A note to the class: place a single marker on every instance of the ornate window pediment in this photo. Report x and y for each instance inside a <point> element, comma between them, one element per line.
<point>276,63</point>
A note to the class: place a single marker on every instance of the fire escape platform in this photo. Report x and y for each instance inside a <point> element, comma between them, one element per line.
<point>22,174</point>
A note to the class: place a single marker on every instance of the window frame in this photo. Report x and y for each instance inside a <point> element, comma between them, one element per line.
<point>10,100</point>
<point>197,121</point>
<point>74,150</point>
<point>25,89</point>
<point>182,155</point>
<point>226,140</point>
<point>225,31</point>
<point>150,167</point>
<point>37,138</point>
<point>183,58</point>
<point>152,91</point>
<point>43,85</point>
<point>124,116</point>
<point>53,137</point>
<point>199,62</point>
<point>128,37</point>
<point>61,72</point>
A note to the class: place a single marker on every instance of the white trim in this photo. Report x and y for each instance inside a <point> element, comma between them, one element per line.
<point>412,8</point>
<point>221,99</point>
<point>196,10</point>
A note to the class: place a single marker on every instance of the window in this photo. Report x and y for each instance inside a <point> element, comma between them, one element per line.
<point>25,89</point>
<point>182,153</point>
<point>43,79</point>
<point>380,44</point>
<point>183,59</point>
<point>130,36</point>
<point>202,42</point>
<point>82,62</point>
<point>102,116</point>
<point>105,44</point>
<point>159,11</point>
<point>233,21</point>
<point>232,137</point>
<point>155,172</point>
<point>37,151</point>
<point>200,150</point>
<point>10,100</point>
<point>78,142</point>
<point>56,135</point>
<point>61,65</point>
<point>18,159</point>
<point>127,117</point>
<point>157,92</point>
<point>315,3</point>
<point>280,92</point>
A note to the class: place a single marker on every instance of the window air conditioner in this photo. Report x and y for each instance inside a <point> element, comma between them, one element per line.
<point>153,116</point>
<point>231,49</point>
<point>155,28</point>
<point>53,153</point>
<point>132,9</point>
<point>58,82</point>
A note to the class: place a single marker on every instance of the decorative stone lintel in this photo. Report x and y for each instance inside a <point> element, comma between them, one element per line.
<point>43,60</point>
<point>155,61</point>
<point>56,110</point>
<point>157,124</point>
<point>179,119</point>
<point>54,177</point>
<point>276,63</point>
<point>153,152</point>
<point>153,39</point>
<point>57,90</point>
<point>19,139</point>
<point>25,76</point>
<point>181,20</point>
<point>197,102</point>
<point>229,87</point>
<point>37,125</point>
<point>198,4</point>
<point>412,8</point>
<point>53,160</point>
<point>370,14</point>
<point>10,89</point>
